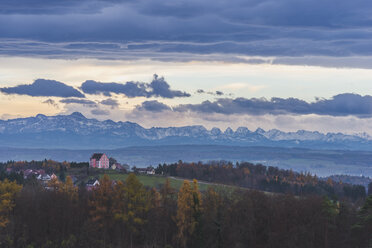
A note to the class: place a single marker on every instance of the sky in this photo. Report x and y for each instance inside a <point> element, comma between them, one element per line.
<point>284,64</point>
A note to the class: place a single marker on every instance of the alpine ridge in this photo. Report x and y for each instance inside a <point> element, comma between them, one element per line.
<point>77,131</point>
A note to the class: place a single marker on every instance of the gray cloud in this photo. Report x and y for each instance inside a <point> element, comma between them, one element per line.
<point>84,102</point>
<point>100,112</point>
<point>216,93</point>
<point>110,102</point>
<point>157,88</point>
<point>346,104</point>
<point>152,106</point>
<point>43,87</point>
<point>129,89</point>
<point>51,102</point>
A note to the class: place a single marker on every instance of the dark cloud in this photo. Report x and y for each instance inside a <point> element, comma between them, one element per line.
<point>157,88</point>
<point>216,93</point>
<point>84,102</point>
<point>53,6</point>
<point>328,13</point>
<point>160,88</point>
<point>346,104</point>
<point>51,102</point>
<point>130,89</point>
<point>100,112</point>
<point>152,106</point>
<point>163,29</point>
<point>92,46</point>
<point>110,102</point>
<point>43,87</point>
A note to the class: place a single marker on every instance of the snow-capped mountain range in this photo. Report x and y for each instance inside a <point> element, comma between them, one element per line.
<point>78,132</point>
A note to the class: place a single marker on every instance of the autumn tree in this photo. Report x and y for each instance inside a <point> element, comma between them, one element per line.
<point>197,215</point>
<point>185,221</point>
<point>69,188</point>
<point>8,191</point>
<point>101,204</point>
<point>188,213</point>
<point>54,184</point>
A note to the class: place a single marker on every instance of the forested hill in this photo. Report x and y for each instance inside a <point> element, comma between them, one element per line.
<point>264,178</point>
<point>127,214</point>
<point>356,180</point>
<point>240,174</point>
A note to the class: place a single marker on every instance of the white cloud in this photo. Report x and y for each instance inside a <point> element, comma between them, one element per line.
<point>239,86</point>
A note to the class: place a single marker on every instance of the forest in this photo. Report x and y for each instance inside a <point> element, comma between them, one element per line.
<point>265,178</point>
<point>262,207</point>
<point>127,214</point>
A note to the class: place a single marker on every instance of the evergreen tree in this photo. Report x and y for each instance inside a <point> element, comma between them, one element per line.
<point>62,173</point>
<point>131,209</point>
<point>363,229</point>
<point>168,206</point>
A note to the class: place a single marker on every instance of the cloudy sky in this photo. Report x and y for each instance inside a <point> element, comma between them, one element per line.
<point>286,64</point>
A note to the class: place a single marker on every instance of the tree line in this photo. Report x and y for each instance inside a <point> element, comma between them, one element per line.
<point>127,214</point>
<point>264,178</point>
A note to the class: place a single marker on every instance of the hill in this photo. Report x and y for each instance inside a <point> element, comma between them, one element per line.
<point>320,162</point>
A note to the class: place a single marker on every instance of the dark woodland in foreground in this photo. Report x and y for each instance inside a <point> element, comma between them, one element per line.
<point>304,211</point>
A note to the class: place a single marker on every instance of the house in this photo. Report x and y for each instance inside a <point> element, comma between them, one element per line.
<point>125,167</point>
<point>44,177</point>
<point>114,166</point>
<point>99,160</point>
<point>92,183</point>
<point>120,167</point>
<point>28,173</point>
<point>148,170</point>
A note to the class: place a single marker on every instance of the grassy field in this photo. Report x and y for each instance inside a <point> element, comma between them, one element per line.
<point>147,180</point>
<point>155,180</point>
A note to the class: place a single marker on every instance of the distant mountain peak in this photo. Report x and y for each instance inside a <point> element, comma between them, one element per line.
<point>77,131</point>
<point>229,131</point>
<point>259,130</point>
<point>40,116</point>
<point>216,131</point>
<point>242,130</point>
<point>78,114</point>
